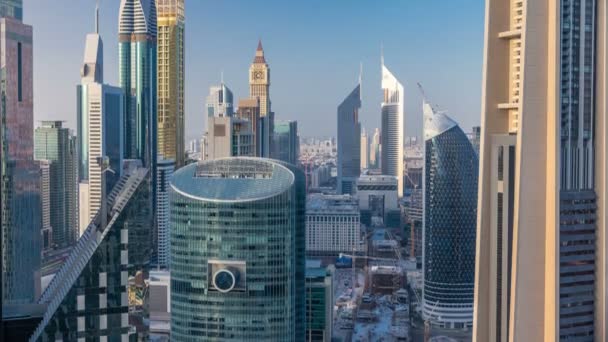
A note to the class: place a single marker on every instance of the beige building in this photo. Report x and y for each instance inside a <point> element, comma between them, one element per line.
<point>541,266</point>
<point>170,40</point>
<point>259,80</point>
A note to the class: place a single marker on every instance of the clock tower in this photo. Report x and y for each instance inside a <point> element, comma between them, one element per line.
<point>259,80</point>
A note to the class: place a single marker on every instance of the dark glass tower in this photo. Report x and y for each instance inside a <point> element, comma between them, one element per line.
<point>349,142</point>
<point>450,222</point>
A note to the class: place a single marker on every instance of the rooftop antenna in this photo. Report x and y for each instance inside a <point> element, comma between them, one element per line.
<point>97,17</point>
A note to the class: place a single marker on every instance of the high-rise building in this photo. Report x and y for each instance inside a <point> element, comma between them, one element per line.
<point>251,276</point>
<point>374,150</point>
<point>220,101</point>
<point>286,142</point>
<point>45,200</point>
<point>164,172</point>
<point>52,142</point>
<point>90,296</point>
<point>229,136</point>
<point>319,303</point>
<point>170,73</point>
<point>449,222</point>
<point>100,127</point>
<point>349,141</point>
<point>476,138</point>
<point>259,87</point>
<point>364,150</point>
<point>249,109</point>
<point>541,251</point>
<point>137,35</point>
<point>20,198</point>
<point>392,127</point>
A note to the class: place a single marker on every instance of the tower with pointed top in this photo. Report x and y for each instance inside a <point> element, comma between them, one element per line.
<point>259,80</point>
<point>392,127</point>
<point>171,69</point>
<point>349,141</point>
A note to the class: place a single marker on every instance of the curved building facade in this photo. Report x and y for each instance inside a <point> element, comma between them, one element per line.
<point>392,127</point>
<point>450,222</point>
<point>237,251</point>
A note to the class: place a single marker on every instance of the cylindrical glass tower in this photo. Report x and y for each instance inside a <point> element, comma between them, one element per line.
<point>235,251</point>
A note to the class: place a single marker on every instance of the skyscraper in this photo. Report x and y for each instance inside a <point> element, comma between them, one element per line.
<point>251,276</point>
<point>349,141</point>
<point>541,248</point>
<point>449,223</point>
<point>171,70</point>
<point>220,101</point>
<point>89,296</point>
<point>21,178</point>
<point>259,87</point>
<point>364,150</point>
<point>137,26</point>
<point>374,150</point>
<point>286,141</point>
<point>52,142</point>
<point>164,172</point>
<point>249,109</point>
<point>392,127</point>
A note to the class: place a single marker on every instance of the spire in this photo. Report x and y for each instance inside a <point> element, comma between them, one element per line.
<point>97,17</point>
<point>259,54</point>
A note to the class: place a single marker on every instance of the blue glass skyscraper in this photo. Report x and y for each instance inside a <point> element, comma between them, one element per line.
<point>450,222</point>
<point>349,141</point>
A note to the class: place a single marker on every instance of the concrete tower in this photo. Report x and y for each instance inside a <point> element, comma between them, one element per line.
<point>392,127</point>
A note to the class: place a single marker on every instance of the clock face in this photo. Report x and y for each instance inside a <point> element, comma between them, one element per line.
<point>257,75</point>
<point>224,280</point>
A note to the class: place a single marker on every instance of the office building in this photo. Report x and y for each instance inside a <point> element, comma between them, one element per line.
<point>392,127</point>
<point>377,196</point>
<point>229,136</point>
<point>53,143</point>
<point>164,172</point>
<point>20,197</point>
<point>90,296</point>
<point>137,49</point>
<point>171,76</point>
<point>319,303</point>
<point>333,225</point>
<point>449,222</point>
<point>220,101</point>
<point>374,150</point>
<point>250,277</point>
<point>249,109</point>
<point>541,264</point>
<point>349,142</point>
<point>259,87</point>
<point>476,138</point>
<point>45,200</point>
<point>160,305</point>
<point>286,142</point>
<point>364,150</point>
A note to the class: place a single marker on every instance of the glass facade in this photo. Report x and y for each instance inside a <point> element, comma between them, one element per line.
<point>319,305</point>
<point>450,221</point>
<point>349,142</point>
<point>11,9</point>
<point>237,251</point>
<point>286,142</point>
<point>91,297</point>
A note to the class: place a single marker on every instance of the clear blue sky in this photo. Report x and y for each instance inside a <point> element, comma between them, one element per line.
<point>313,47</point>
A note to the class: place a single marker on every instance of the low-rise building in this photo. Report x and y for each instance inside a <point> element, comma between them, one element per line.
<point>333,225</point>
<point>377,195</point>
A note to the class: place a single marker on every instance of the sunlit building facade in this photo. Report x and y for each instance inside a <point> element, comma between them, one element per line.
<point>392,127</point>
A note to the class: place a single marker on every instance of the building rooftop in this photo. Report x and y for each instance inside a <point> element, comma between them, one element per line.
<point>232,179</point>
<point>331,204</point>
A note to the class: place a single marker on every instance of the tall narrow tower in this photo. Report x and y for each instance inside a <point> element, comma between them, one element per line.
<point>541,264</point>
<point>259,80</point>
<point>171,68</point>
<point>392,127</point>
<point>349,142</point>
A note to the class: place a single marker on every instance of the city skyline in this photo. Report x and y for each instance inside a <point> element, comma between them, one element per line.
<point>418,57</point>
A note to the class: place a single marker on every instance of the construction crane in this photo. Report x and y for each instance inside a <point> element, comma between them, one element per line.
<point>427,323</point>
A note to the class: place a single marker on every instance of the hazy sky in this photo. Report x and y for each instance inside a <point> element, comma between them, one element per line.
<point>313,48</point>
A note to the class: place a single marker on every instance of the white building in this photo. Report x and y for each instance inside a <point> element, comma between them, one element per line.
<point>392,127</point>
<point>164,170</point>
<point>332,225</point>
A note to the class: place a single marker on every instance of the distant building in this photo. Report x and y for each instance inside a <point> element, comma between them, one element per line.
<point>160,305</point>
<point>249,109</point>
<point>364,150</point>
<point>93,284</point>
<point>164,171</point>
<point>286,142</point>
<point>476,138</point>
<point>333,225</point>
<point>449,223</point>
<point>377,195</point>
<point>53,143</point>
<point>392,127</point>
<point>374,150</point>
<point>220,101</point>
<point>229,137</point>
<point>349,142</point>
<point>171,76</point>
<point>45,199</point>
<point>259,87</point>
<point>319,304</point>
<point>251,275</point>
